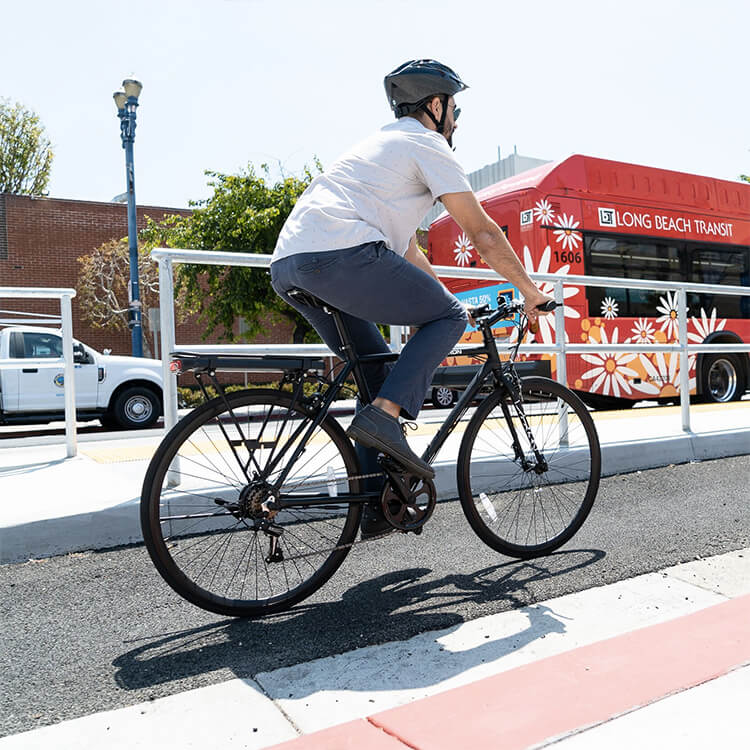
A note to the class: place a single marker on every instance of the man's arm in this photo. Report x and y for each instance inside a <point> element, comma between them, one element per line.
<point>493,246</point>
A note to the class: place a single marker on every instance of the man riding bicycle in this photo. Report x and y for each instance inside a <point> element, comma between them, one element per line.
<point>350,241</point>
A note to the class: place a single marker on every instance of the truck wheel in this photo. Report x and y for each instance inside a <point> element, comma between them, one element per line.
<point>723,378</point>
<point>136,407</point>
<point>443,398</point>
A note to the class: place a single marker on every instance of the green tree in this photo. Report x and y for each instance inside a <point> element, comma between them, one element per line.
<point>25,153</point>
<point>245,214</point>
<point>745,177</point>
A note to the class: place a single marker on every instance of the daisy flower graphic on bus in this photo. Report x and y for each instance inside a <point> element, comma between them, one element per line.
<point>584,216</point>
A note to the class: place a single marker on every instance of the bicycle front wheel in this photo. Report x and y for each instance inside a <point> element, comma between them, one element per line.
<point>202,512</point>
<point>519,503</point>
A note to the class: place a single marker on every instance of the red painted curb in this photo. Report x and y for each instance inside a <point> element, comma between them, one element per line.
<point>557,695</point>
<point>354,735</point>
<point>579,688</point>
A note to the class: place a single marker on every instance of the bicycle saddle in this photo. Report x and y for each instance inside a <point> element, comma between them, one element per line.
<point>308,299</point>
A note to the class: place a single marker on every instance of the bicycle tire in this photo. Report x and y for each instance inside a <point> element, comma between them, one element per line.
<point>503,503</point>
<point>191,515</point>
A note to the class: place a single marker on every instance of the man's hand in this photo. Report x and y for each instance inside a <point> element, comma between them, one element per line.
<point>472,322</point>
<point>530,306</point>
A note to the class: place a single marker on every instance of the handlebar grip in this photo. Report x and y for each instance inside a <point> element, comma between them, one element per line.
<point>549,306</point>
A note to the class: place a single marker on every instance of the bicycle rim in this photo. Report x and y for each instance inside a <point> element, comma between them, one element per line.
<point>523,512</point>
<point>197,513</point>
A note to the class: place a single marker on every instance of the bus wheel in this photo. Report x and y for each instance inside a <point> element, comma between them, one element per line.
<point>443,398</point>
<point>723,378</point>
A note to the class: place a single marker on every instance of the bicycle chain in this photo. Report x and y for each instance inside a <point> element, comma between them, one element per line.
<point>326,482</point>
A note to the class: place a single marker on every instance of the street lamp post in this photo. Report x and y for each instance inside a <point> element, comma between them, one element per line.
<point>127,103</point>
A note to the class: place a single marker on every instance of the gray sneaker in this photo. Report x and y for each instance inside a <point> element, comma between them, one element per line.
<point>373,428</point>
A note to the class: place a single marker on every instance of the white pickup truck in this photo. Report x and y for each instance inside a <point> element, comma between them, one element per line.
<point>120,391</point>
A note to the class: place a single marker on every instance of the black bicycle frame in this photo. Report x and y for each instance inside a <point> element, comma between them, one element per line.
<point>492,368</point>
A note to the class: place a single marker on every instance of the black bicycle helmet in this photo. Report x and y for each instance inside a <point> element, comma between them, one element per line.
<point>415,81</point>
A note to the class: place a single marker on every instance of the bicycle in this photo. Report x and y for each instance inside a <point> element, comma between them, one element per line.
<point>253,500</point>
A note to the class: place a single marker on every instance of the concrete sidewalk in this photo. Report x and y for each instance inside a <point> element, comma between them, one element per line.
<point>657,661</point>
<point>52,505</point>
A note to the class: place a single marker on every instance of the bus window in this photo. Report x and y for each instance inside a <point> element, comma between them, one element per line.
<point>627,258</point>
<point>716,265</point>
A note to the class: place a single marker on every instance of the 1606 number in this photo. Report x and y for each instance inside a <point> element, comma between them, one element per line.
<point>568,256</point>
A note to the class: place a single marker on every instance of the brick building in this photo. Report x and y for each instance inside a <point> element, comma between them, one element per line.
<point>41,240</point>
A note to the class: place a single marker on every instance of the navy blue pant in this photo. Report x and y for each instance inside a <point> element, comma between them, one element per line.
<point>371,283</point>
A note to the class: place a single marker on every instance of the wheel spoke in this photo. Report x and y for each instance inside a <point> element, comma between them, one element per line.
<point>518,511</point>
<point>193,535</point>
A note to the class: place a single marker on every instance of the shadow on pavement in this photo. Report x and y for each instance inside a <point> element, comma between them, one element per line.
<point>391,607</point>
<point>8,471</point>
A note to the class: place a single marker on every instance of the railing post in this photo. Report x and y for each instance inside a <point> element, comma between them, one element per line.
<point>167,335</point>
<point>562,362</point>
<point>561,357</point>
<point>684,358</point>
<point>397,343</point>
<point>66,315</point>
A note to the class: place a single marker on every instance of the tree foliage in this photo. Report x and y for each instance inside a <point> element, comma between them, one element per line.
<point>25,151</point>
<point>245,214</point>
<point>102,289</point>
<point>745,177</point>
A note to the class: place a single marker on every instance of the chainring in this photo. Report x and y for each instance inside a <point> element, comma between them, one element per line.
<point>408,505</point>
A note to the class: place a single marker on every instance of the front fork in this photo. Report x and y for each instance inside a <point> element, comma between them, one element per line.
<point>512,385</point>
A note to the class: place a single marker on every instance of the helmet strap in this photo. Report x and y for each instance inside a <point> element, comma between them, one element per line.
<point>441,124</point>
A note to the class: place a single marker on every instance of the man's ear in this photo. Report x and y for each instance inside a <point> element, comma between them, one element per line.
<point>436,104</point>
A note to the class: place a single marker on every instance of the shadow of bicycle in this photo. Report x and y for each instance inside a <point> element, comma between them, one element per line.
<point>395,606</point>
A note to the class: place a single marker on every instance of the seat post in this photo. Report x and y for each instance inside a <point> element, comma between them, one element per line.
<point>350,355</point>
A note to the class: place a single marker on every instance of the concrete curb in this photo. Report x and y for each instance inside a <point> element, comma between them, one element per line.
<point>119,523</point>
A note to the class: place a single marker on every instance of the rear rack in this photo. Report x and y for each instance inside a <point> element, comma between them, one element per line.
<point>185,361</point>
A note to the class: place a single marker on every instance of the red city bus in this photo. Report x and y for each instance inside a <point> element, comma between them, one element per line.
<point>603,218</point>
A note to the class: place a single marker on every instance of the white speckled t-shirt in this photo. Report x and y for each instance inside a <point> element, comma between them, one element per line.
<point>378,191</point>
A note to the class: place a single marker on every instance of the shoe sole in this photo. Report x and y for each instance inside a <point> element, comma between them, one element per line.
<point>366,439</point>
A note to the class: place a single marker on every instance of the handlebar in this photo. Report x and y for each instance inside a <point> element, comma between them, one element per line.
<point>484,314</point>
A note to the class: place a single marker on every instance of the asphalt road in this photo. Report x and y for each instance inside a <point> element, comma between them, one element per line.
<point>93,631</point>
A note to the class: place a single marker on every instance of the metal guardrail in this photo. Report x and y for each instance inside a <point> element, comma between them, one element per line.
<point>66,318</point>
<point>166,258</point>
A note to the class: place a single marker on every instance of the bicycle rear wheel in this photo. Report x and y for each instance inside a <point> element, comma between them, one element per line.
<point>201,513</point>
<point>526,513</point>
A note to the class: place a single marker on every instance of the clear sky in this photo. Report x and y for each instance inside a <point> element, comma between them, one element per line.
<point>232,82</point>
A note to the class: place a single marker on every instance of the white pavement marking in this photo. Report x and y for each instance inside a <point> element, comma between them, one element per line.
<point>233,714</point>
<point>712,715</point>
<point>333,690</point>
<point>356,684</point>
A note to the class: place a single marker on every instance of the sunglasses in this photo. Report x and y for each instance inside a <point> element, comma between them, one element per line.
<point>456,113</point>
